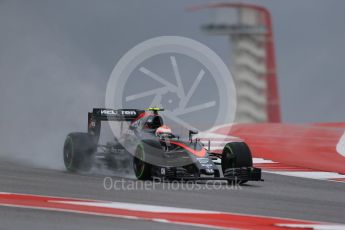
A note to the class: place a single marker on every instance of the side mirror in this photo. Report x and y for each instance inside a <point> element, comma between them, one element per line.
<point>191,133</point>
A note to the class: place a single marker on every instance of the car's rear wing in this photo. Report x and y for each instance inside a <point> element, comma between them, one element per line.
<point>101,114</point>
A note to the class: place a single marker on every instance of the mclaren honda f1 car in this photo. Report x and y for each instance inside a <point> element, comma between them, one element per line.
<point>155,151</point>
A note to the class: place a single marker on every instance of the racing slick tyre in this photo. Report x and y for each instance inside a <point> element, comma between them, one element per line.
<point>236,155</point>
<point>141,168</point>
<point>78,152</point>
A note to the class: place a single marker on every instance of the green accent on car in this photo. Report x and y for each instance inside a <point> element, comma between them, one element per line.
<point>143,154</point>
<point>69,139</point>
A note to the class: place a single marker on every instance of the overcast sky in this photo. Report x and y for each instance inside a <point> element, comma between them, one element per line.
<point>92,35</point>
<point>56,57</point>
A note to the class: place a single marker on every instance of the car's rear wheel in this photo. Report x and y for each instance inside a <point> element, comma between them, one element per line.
<point>141,168</point>
<point>78,152</point>
<point>236,155</point>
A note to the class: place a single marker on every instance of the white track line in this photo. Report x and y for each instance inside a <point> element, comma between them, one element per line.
<point>313,226</point>
<point>341,145</point>
<point>135,207</point>
<point>311,175</point>
<point>319,175</point>
<point>262,161</point>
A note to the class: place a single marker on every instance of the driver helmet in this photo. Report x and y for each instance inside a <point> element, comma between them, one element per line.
<point>164,129</point>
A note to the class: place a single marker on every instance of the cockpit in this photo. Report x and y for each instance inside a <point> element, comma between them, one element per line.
<point>149,122</point>
<point>153,122</point>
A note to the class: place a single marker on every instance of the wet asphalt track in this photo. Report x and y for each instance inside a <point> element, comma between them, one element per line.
<point>278,196</point>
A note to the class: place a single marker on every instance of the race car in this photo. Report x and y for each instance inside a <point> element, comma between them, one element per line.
<point>156,152</point>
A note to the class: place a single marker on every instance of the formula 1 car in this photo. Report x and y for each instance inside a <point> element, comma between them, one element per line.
<point>156,152</point>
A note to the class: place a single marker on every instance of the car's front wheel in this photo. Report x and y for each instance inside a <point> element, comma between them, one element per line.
<point>236,155</point>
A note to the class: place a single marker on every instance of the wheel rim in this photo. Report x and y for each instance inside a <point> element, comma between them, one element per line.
<point>68,153</point>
